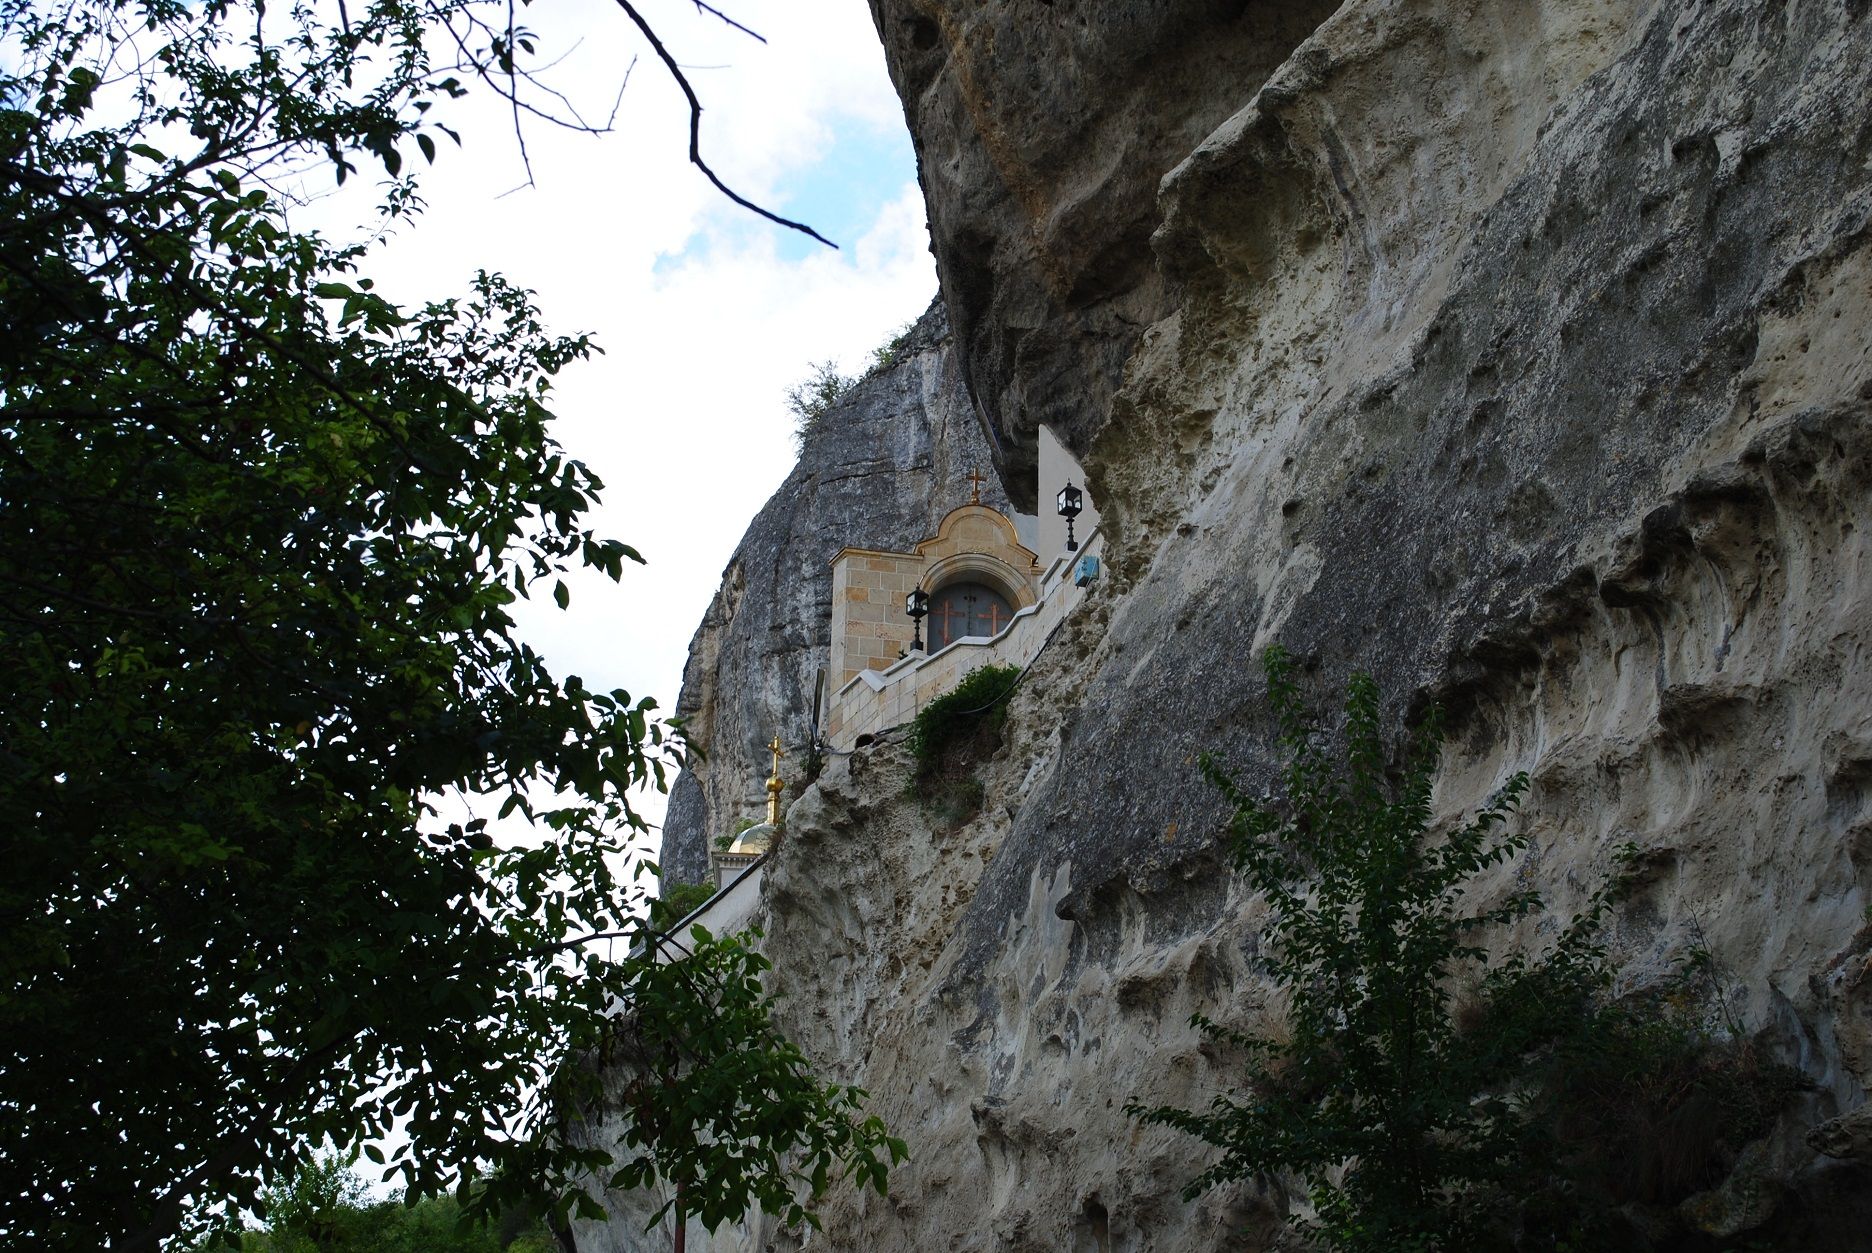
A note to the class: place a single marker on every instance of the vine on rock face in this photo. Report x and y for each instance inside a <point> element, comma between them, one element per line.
<point>954,731</point>
<point>974,708</point>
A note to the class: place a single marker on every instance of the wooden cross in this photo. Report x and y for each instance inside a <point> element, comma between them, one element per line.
<point>947,612</point>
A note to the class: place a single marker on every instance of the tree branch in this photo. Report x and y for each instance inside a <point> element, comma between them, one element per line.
<point>695,127</point>
<point>729,21</point>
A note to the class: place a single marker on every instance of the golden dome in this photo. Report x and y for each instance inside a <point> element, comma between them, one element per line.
<point>753,841</point>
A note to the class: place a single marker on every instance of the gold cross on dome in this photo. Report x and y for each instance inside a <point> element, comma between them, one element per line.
<point>774,785</point>
<point>977,478</point>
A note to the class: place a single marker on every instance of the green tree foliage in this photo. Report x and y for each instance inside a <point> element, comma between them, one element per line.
<point>261,532</point>
<point>309,1207</point>
<point>676,902</point>
<point>1648,1103</point>
<point>721,1107</point>
<point>1404,1131</point>
<point>1424,1095</point>
<point>325,1207</point>
<point>975,707</point>
<point>810,399</point>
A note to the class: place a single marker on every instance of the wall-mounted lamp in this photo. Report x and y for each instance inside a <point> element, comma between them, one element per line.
<point>1070,501</point>
<point>916,604</point>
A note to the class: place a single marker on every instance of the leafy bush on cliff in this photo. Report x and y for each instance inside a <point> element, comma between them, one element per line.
<point>888,353</point>
<point>954,731</point>
<point>812,398</point>
<point>1521,1115</point>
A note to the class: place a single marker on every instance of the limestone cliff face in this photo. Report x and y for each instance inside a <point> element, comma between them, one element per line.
<point>1516,352</point>
<point>1041,132</point>
<point>878,470</point>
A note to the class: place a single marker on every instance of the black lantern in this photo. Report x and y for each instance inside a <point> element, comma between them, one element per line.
<point>1070,501</point>
<point>916,604</point>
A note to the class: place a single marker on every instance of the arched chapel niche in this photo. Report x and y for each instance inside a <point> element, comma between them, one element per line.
<point>975,553</point>
<point>966,608</point>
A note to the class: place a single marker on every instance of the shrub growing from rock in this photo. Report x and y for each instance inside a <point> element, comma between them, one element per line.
<point>953,732</point>
<point>1423,1095</point>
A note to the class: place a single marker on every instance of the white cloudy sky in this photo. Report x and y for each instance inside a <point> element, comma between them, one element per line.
<point>706,313</point>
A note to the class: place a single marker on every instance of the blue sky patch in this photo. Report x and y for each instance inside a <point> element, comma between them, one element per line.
<point>842,194</point>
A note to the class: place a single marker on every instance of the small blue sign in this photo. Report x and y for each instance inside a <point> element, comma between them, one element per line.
<point>1086,571</point>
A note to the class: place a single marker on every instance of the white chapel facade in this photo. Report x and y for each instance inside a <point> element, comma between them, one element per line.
<point>992,600</point>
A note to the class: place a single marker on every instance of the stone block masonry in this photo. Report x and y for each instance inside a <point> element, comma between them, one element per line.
<point>876,698</point>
